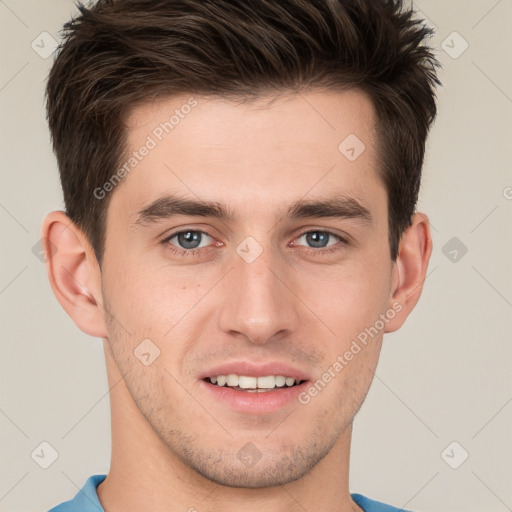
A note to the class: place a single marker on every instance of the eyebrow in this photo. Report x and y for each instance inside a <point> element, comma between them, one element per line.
<point>168,206</point>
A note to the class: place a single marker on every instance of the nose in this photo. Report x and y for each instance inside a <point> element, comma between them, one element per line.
<point>260,304</point>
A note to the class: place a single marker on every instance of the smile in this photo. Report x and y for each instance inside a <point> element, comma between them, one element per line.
<point>254,384</point>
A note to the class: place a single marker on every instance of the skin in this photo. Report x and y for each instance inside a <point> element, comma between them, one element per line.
<point>173,447</point>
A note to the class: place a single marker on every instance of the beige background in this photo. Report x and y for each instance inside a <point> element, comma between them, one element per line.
<point>444,377</point>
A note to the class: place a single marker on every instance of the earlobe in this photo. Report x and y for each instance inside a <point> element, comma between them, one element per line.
<point>410,270</point>
<point>74,273</point>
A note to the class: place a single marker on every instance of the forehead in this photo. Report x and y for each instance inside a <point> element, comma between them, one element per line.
<point>287,118</point>
<point>254,155</point>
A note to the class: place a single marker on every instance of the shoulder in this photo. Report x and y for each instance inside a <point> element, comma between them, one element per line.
<point>369,505</point>
<point>85,500</point>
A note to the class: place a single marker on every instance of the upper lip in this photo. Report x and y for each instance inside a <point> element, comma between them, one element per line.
<point>251,369</point>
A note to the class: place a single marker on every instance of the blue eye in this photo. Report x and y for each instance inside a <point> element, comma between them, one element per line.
<point>193,242</point>
<point>189,240</point>
<point>318,239</point>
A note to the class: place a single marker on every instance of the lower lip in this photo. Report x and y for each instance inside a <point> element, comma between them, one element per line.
<point>255,402</point>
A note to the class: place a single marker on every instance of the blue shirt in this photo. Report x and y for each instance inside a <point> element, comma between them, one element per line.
<point>86,500</point>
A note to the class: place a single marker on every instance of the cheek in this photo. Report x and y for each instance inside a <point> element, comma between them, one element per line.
<point>152,299</point>
<point>145,292</point>
<point>349,298</point>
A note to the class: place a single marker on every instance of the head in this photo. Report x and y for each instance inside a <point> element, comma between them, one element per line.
<point>293,132</point>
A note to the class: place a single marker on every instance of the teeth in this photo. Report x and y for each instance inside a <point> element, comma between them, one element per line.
<point>267,382</point>
<point>247,382</point>
<point>232,380</point>
<point>244,382</point>
<point>280,381</point>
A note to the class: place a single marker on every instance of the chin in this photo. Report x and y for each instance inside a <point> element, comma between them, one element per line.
<point>266,475</point>
<point>250,468</point>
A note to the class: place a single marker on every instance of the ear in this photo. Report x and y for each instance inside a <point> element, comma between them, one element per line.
<point>409,270</point>
<point>74,273</point>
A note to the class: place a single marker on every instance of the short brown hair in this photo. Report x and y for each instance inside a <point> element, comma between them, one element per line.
<point>119,53</point>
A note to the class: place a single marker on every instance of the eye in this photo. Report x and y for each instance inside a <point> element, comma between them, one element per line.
<point>189,239</point>
<point>192,242</point>
<point>320,239</point>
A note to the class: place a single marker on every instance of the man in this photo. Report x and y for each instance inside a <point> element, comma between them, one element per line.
<point>240,181</point>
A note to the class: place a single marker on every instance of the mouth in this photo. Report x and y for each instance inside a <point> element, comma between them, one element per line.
<point>256,389</point>
<point>252,384</point>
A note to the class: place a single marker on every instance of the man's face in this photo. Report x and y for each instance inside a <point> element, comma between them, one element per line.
<point>260,286</point>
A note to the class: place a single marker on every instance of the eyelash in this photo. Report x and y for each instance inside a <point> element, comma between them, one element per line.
<point>196,252</point>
